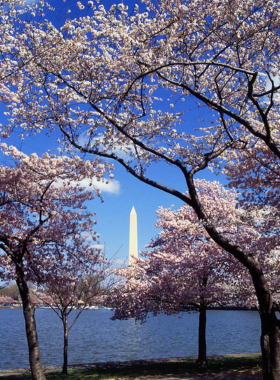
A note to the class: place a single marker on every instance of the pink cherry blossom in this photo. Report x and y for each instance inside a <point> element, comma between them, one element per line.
<point>112,84</point>
<point>185,269</point>
<point>46,231</point>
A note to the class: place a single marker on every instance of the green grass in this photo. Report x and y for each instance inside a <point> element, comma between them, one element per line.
<point>151,369</point>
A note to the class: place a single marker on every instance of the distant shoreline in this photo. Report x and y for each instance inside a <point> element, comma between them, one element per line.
<point>231,308</point>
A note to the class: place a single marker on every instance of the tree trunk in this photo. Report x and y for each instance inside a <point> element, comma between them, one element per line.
<point>65,350</point>
<point>30,326</point>
<point>270,345</point>
<point>202,358</point>
<point>270,325</point>
<point>270,336</point>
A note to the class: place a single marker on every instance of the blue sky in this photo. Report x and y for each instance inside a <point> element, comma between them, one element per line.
<point>120,196</point>
<point>125,191</point>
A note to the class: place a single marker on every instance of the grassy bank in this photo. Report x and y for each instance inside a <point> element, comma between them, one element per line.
<point>151,369</point>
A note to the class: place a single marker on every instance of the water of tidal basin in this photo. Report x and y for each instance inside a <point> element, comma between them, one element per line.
<point>96,338</point>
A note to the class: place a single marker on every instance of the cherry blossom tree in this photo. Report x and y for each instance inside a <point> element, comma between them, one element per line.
<point>105,79</point>
<point>185,268</point>
<point>43,220</point>
<point>12,13</point>
<point>256,173</point>
<point>74,283</point>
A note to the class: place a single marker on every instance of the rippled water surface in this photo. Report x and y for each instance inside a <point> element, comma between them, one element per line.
<point>95,338</point>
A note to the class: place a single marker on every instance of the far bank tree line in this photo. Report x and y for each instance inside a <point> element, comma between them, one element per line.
<point>119,84</point>
<point>10,291</point>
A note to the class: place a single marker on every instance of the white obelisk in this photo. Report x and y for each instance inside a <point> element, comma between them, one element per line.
<point>133,243</point>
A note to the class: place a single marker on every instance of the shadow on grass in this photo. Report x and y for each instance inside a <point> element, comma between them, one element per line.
<point>150,369</point>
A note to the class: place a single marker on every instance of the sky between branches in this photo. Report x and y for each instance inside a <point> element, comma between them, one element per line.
<point>124,191</point>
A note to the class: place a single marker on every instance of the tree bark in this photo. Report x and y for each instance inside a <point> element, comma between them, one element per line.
<point>270,344</point>
<point>37,371</point>
<point>65,349</point>
<point>202,358</point>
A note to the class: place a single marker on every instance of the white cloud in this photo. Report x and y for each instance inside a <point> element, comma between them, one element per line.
<point>111,186</point>
<point>121,262</point>
<point>119,148</point>
<point>276,80</point>
<point>98,246</point>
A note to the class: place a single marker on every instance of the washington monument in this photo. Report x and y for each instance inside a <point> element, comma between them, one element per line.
<point>133,243</point>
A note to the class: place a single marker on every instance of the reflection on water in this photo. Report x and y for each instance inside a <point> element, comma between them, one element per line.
<point>95,338</point>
